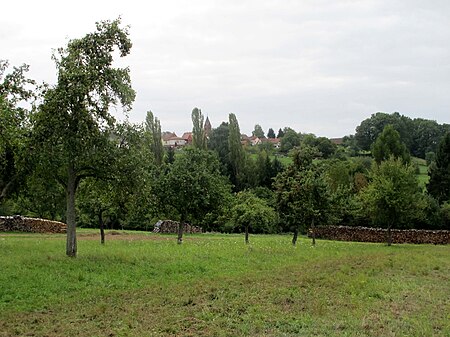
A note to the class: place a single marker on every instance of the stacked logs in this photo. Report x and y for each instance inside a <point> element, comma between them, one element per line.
<point>365,234</point>
<point>171,227</point>
<point>19,223</point>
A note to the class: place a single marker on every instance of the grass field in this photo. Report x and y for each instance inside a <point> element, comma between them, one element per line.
<point>142,284</point>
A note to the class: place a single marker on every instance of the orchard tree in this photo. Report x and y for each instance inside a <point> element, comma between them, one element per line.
<point>73,125</point>
<point>250,212</point>
<point>439,171</point>
<point>15,88</point>
<point>194,187</point>
<point>388,144</point>
<point>302,194</point>
<point>392,198</point>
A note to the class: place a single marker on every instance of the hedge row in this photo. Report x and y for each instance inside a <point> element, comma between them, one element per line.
<point>18,223</point>
<point>365,234</point>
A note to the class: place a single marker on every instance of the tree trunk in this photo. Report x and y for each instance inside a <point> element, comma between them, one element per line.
<point>71,243</point>
<point>313,231</point>
<point>246,234</point>
<point>180,232</point>
<point>389,236</point>
<point>102,227</point>
<point>295,237</point>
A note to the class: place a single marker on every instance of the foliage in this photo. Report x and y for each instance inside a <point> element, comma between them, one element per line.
<point>153,131</point>
<point>258,131</point>
<point>194,187</point>
<point>252,213</point>
<point>392,199</point>
<point>280,133</point>
<point>15,89</point>
<point>302,195</point>
<point>237,154</point>
<point>72,125</point>
<point>419,135</point>
<point>289,140</point>
<point>270,133</point>
<point>439,171</point>
<point>388,144</point>
<point>198,132</point>
<point>323,144</point>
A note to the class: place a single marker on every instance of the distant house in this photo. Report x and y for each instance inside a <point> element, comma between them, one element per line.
<point>255,140</point>
<point>276,142</point>
<point>188,137</point>
<point>170,139</point>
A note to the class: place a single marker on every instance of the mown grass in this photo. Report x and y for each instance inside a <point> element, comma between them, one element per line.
<point>214,285</point>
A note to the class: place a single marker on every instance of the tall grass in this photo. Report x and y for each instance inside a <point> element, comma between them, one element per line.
<point>215,285</point>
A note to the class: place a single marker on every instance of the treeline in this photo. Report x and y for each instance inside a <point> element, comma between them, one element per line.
<point>66,158</point>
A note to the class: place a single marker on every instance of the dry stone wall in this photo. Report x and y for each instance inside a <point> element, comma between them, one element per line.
<point>365,234</point>
<point>171,227</point>
<point>19,223</point>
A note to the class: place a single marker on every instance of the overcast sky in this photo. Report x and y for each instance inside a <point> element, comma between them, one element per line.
<point>318,66</point>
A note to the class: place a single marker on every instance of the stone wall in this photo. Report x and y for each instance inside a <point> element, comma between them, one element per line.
<point>171,227</point>
<point>365,234</point>
<point>18,223</point>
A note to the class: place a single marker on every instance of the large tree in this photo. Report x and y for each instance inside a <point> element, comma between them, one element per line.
<point>73,123</point>
<point>198,131</point>
<point>237,154</point>
<point>389,144</point>
<point>302,194</point>
<point>439,171</point>
<point>153,130</point>
<point>15,88</point>
<point>193,187</point>
<point>393,199</point>
<point>258,131</point>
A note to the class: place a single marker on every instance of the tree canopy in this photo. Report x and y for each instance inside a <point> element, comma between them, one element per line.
<point>73,124</point>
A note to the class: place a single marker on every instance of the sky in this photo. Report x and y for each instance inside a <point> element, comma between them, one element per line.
<point>317,66</point>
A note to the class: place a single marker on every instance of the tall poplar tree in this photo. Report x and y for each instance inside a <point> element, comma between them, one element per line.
<point>198,132</point>
<point>237,154</point>
<point>153,129</point>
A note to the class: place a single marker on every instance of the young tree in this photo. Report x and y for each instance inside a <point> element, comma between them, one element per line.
<point>73,124</point>
<point>250,211</point>
<point>439,171</point>
<point>389,144</point>
<point>198,132</point>
<point>270,133</point>
<point>153,129</point>
<point>302,194</point>
<point>194,187</point>
<point>393,198</point>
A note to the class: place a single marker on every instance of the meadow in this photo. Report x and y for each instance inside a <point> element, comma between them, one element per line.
<point>144,284</point>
